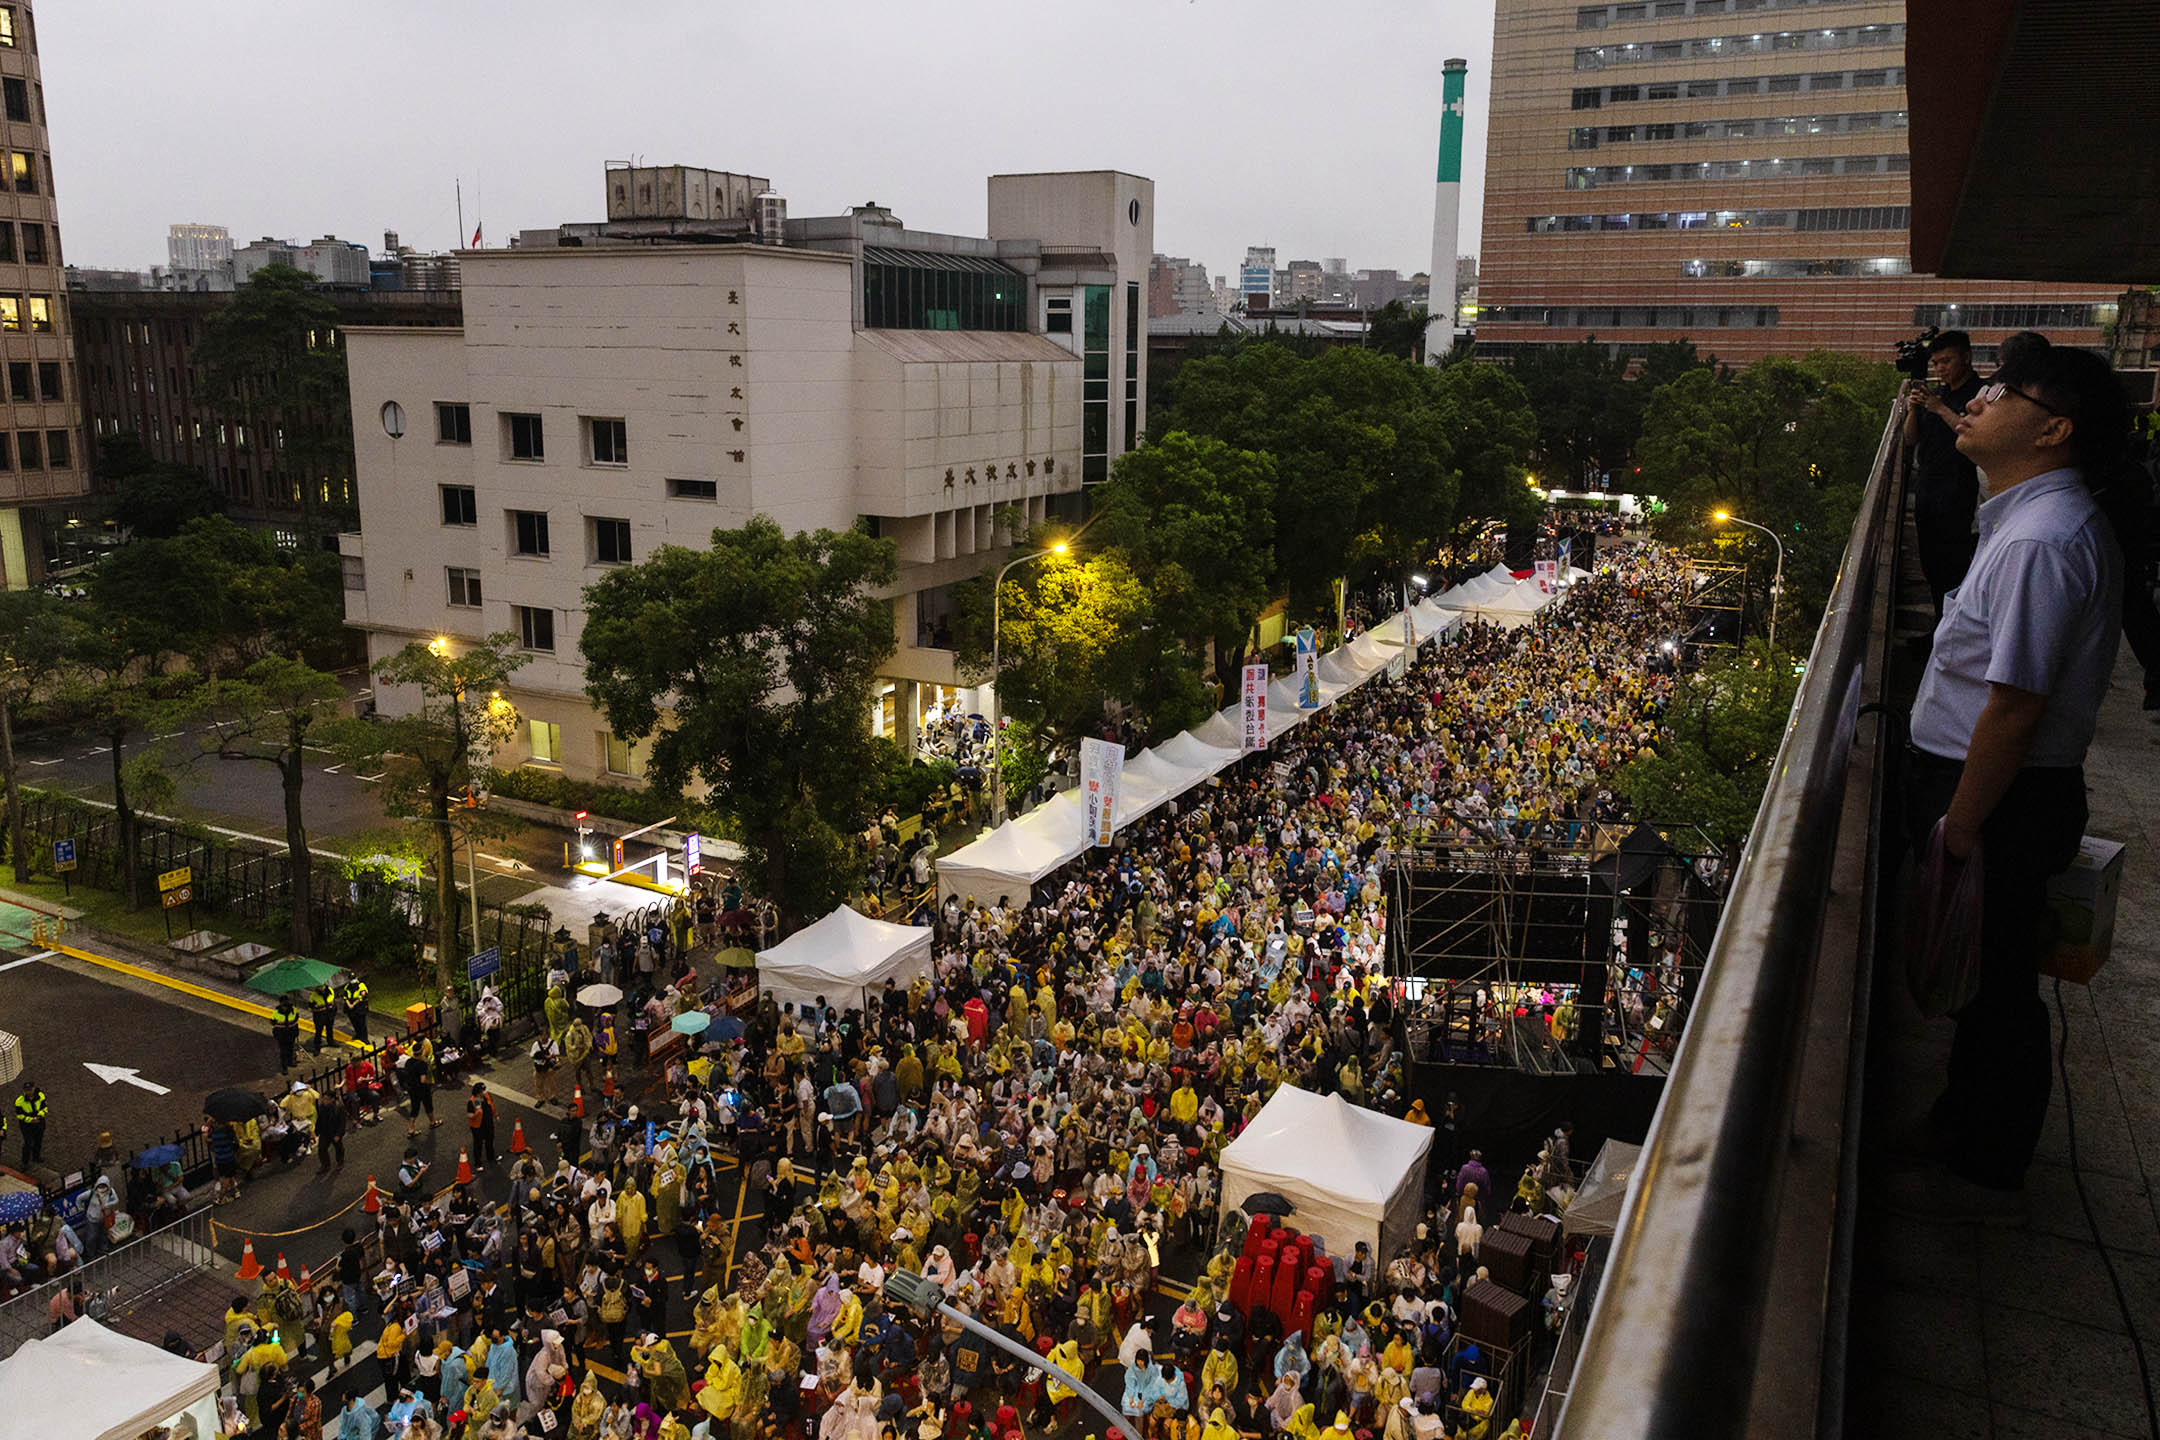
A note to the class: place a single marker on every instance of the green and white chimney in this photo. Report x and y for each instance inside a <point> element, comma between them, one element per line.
<point>1447,213</point>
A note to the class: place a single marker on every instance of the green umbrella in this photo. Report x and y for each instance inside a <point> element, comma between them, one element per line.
<point>736,958</point>
<point>294,972</point>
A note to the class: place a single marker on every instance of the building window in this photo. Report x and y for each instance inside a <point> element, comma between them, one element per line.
<point>16,94</point>
<point>610,441</point>
<point>453,424</point>
<point>32,453</point>
<point>41,321</point>
<point>464,588</point>
<point>19,380</point>
<point>24,168</point>
<point>536,629</point>
<point>610,542</point>
<point>914,290</point>
<point>1095,385</point>
<point>546,740</point>
<point>7,242</point>
<point>693,489</point>
<point>10,312</point>
<point>33,244</point>
<point>57,448</point>
<point>7,26</point>
<point>1057,315</point>
<point>7,452</point>
<point>526,440</point>
<point>1132,364</point>
<point>624,757</point>
<point>529,532</point>
<point>459,505</point>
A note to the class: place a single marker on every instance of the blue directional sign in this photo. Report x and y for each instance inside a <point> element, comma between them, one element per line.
<point>63,854</point>
<point>484,963</point>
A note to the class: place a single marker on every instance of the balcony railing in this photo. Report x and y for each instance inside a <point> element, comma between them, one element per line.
<point>1721,1315</point>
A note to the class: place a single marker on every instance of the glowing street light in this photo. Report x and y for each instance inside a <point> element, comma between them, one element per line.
<point>1777,580</point>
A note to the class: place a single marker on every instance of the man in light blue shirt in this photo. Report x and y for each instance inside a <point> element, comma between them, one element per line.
<point>2004,715</point>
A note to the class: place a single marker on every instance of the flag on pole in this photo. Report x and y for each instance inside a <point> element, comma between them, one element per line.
<point>476,234</point>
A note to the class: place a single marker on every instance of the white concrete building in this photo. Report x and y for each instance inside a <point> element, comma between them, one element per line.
<point>603,398</point>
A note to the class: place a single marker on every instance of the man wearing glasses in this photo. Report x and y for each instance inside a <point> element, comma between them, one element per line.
<point>2004,715</point>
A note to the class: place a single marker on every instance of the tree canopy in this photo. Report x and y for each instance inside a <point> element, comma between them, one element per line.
<point>1589,405</point>
<point>761,651</point>
<point>272,357</point>
<point>1724,723</point>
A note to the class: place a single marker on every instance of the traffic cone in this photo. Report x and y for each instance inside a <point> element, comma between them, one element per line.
<point>464,1168</point>
<point>517,1137</point>
<point>250,1267</point>
<point>284,1271</point>
<point>577,1100</point>
<point>305,1275</point>
<point>372,1201</point>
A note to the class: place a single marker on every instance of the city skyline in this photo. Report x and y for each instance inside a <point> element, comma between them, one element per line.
<point>402,123</point>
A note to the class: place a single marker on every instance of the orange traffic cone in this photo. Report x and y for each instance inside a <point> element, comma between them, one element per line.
<point>305,1275</point>
<point>372,1201</point>
<point>464,1168</point>
<point>517,1138</point>
<point>577,1100</point>
<point>284,1271</point>
<point>250,1267</point>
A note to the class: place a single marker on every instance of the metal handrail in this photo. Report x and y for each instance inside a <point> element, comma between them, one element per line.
<point>1671,1347</point>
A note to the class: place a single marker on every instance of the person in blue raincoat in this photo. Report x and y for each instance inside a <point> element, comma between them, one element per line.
<point>502,1363</point>
<point>358,1421</point>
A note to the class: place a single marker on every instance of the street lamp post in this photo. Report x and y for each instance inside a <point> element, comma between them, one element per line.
<point>997,749</point>
<point>1777,579</point>
<point>926,1298</point>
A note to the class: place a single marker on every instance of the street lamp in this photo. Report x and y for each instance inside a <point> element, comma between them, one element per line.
<point>1777,580</point>
<point>1058,549</point>
<point>926,1298</point>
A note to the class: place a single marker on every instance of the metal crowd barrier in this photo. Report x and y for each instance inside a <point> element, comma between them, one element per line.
<point>123,1280</point>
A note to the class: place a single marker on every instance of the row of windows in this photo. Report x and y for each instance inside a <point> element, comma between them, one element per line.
<point>1597,17</point>
<point>36,450</point>
<point>15,29</point>
<point>36,310</point>
<point>1593,97</point>
<point>1707,47</point>
<point>1589,177</point>
<point>923,297</point>
<point>524,437</point>
<point>607,540</point>
<point>1589,137</point>
<point>1638,317</point>
<point>2007,317</point>
<point>35,380</point>
<point>32,249</point>
<point>1793,269</point>
<point>1829,218</point>
<point>544,739</point>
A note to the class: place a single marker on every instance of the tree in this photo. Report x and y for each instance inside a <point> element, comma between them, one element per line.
<point>272,357</point>
<point>750,665</point>
<point>152,498</point>
<point>36,632</point>
<point>1196,521</point>
<point>1589,404</point>
<point>1723,726</point>
<point>435,753</point>
<point>269,715</point>
<point>120,688</point>
<point>1398,329</point>
<point>222,596</point>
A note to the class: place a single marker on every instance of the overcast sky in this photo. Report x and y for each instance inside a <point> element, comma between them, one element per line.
<point>1310,126</point>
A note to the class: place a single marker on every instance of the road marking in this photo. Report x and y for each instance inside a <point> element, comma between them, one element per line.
<point>122,1073</point>
<point>333,769</point>
<point>372,778</point>
<point>61,761</point>
<point>173,736</point>
<point>28,960</point>
<point>99,750</point>
<point>198,991</point>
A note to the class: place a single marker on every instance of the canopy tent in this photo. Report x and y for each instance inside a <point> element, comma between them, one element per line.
<point>1595,1210</point>
<point>1354,1174</point>
<point>91,1383</point>
<point>1511,607</point>
<point>1191,752</point>
<point>843,957</point>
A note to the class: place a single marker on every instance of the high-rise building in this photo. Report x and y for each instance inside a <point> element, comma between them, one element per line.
<point>41,461</point>
<point>1256,277</point>
<point>198,247</point>
<point>1177,286</point>
<point>846,370</point>
<point>1731,172</point>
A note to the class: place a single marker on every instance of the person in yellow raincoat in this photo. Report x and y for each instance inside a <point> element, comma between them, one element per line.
<point>1219,1427</point>
<point>630,1213</point>
<point>1066,1356</point>
<point>265,1356</point>
<point>1477,1403</point>
<point>480,1403</point>
<point>1301,1426</point>
<point>1219,1372</point>
<point>722,1390</point>
<point>587,1408</point>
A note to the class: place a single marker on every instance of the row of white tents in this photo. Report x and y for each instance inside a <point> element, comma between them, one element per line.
<point>1020,852</point>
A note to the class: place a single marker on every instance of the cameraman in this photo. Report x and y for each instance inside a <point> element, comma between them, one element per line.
<point>1945,485</point>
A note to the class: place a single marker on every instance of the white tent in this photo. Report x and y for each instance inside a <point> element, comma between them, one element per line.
<point>91,1383</point>
<point>1353,1174</point>
<point>843,957</point>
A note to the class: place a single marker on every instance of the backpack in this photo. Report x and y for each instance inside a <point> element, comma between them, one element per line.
<point>614,1305</point>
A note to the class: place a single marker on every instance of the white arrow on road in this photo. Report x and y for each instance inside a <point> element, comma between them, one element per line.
<point>110,1073</point>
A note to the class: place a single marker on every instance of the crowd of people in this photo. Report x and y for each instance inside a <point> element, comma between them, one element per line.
<point>1036,1127</point>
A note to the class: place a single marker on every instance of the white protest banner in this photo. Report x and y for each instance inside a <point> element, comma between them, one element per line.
<point>1254,707</point>
<point>1102,764</point>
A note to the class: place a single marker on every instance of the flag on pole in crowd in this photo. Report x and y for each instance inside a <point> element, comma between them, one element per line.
<point>1102,764</point>
<point>1254,698</point>
<point>1308,660</point>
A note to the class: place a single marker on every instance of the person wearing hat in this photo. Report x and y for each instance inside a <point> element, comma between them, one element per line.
<point>1476,1406</point>
<point>285,1029</point>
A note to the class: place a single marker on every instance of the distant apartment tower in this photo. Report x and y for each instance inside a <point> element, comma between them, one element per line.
<point>42,467</point>
<point>1256,277</point>
<point>198,247</point>
<point>330,260</point>
<point>1724,172</point>
<point>1176,286</point>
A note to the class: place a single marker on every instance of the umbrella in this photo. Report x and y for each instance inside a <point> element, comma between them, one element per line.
<point>731,919</point>
<point>735,957</point>
<point>1267,1202</point>
<point>157,1155</point>
<point>599,996</point>
<point>294,972</point>
<point>19,1205</point>
<point>236,1105</point>
<point>727,1027</point>
<point>690,1022</point>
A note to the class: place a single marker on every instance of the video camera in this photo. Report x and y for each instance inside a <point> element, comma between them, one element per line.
<point>1912,355</point>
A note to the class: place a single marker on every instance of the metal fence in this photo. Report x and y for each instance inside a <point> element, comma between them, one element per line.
<point>124,1282</point>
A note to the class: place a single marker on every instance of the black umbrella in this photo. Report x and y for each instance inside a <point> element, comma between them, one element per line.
<point>236,1105</point>
<point>1267,1202</point>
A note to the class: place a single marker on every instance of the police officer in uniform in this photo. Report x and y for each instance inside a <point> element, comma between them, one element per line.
<point>285,1029</point>
<point>323,1003</point>
<point>30,1111</point>
<point>356,1008</point>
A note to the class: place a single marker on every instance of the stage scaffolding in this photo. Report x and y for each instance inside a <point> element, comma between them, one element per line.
<point>1489,939</point>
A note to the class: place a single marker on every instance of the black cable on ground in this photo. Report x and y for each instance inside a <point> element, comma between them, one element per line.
<point>2077,1176</point>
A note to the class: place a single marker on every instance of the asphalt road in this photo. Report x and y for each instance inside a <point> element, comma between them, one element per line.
<point>71,1015</point>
